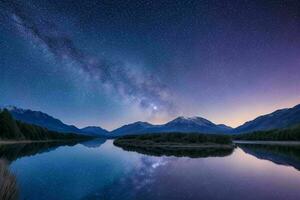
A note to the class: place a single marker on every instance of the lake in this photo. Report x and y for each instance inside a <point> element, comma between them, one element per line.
<point>99,170</point>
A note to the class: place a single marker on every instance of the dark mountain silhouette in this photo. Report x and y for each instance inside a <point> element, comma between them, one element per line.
<point>44,120</point>
<point>180,124</point>
<point>276,120</point>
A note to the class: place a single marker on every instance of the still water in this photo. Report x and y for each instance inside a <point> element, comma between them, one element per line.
<point>99,170</point>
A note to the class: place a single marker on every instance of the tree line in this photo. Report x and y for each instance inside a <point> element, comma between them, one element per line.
<point>11,129</point>
<point>179,138</point>
<point>288,134</point>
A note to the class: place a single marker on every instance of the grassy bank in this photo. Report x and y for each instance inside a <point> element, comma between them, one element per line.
<point>4,142</point>
<point>176,138</point>
<point>177,144</point>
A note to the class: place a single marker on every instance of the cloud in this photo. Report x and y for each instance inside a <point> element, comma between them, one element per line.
<point>146,90</point>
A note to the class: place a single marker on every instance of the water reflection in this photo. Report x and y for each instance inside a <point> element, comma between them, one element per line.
<point>238,176</point>
<point>136,184</point>
<point>279,154</point>
<point>12,152</point>
<point>8,183</point>
<point>94,143</point>
<point>99,170</point>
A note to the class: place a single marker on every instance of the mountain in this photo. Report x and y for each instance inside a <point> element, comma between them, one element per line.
<point>41,119</point>
<point>134,128</point>
<point>94,131</point>
<point>15,130</point>
<point>44,120</point>
<point>279,119</point>
<point>180,124</point>
<point>195,124</point>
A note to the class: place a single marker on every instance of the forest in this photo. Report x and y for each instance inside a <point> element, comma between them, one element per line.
<point>11,129</point>
<point>286,134</point>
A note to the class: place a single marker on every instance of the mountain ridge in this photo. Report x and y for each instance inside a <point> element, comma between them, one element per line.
<point>42,119</point>
<point>280,118</point>
<point>179,124</point>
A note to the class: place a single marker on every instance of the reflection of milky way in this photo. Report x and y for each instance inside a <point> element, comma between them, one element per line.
<point>146,171</point>
<point>137,184</point>
<point>174,178</point>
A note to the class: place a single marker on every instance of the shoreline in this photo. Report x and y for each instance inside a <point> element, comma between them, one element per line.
<point>4,142</point>
<point>175,146</point>
<point>291,143</point>
<point>179,150</point>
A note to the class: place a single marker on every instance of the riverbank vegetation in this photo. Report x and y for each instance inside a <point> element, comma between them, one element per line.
<point>175,138</point>
<point>181,151</point>
<point>177,144</point>
<point>288,134</point>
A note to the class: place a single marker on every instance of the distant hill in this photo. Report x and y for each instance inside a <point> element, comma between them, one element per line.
<point>44,120</point>
<point>134,128</point>
<point>94,131</point>
<point>195,124</point>
<point>180,124</point>
<point>11,129</point>
<point>279,119</point>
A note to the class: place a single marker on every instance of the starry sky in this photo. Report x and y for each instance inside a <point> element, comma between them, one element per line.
<point>108,63</point>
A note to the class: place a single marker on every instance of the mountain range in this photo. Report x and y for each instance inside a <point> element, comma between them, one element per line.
<point>279,119</point>
<point>282,118</point>
<point>180,124</point>
<point>44,120</point>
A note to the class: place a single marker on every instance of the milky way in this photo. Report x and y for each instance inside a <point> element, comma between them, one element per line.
<point>114,62</point>
<point>147,91</point>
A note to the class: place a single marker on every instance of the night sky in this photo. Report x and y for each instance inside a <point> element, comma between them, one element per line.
<point>109,63</point>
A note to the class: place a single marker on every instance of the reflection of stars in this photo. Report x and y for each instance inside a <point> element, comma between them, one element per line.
<point>146,171</point>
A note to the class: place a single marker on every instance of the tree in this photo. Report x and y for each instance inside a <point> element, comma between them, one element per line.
<point>8,126</point>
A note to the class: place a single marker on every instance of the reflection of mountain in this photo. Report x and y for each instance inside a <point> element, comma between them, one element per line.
<point>8,183</point>
<point>93,143</point>
<point>12,152</point>
<point>188,152</point>
<point>282,155</point>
